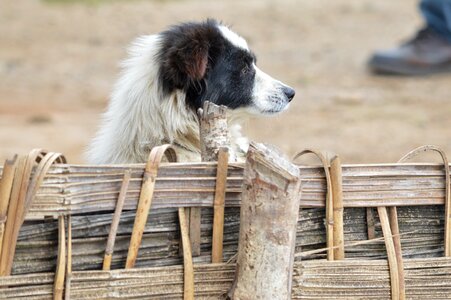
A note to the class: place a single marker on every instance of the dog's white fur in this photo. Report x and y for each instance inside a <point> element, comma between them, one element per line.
<point>140,117</point>
<point>137,116</point>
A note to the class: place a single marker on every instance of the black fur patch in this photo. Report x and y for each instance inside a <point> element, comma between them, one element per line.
<point>198,59</point>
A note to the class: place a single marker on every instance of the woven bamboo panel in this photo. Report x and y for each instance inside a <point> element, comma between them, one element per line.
<point>89,195</point>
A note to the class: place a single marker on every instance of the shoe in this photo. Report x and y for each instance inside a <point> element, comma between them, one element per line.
<point>427,53</point>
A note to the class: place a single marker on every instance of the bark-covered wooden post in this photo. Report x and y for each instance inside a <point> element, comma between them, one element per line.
<point>214,134</point>
<point>268,219</point>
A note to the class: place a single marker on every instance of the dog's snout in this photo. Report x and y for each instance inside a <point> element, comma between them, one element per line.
<point>289,93</point>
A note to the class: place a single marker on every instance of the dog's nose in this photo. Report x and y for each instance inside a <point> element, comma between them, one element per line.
<point>289,93</point>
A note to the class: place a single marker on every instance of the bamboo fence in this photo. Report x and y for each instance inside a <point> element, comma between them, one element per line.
<point>89,194</point>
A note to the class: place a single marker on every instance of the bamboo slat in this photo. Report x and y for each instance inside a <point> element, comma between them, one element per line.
<point>425,279</point>
<point>11,231</point>
<point>218,217</point>
<point>325,161</point>
<point>421,228</point>
<point>188,267</point>
<point>316,279</point>
<point>394,226</point>
<point>60,274</point>
<point>69,259</point>
<point>391,253</point>
<point>337,192</point>
<point>431,148</point>
<point>74,189</point>
<point>115,222</point>
<point>145,199</point>
<point>6,183</point>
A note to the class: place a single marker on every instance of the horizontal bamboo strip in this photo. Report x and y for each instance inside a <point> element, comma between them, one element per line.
<point>316,279</point>
<point>425,279</point>
<point>421,228</point>
<point>74,189</point>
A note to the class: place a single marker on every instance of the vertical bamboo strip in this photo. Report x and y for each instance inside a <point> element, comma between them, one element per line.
<point>22,194</point>
<point>447,211</point>
<point>187,211</point>
<point>115,223</point>
<point>195,217</point>
<point>393,218</point>
<point>46,160</point>
<point>22,204</point>
<point>218,217</point>
<point>188,268</point>
<point>432,148</point>
<point>337,192</point>
<point>329,199</point>
<point>370,223</point>
<point>6,184</point>
<point>145,199</point>
<point>391,253</point>
<point>9,242</point>
<point>58,287</point>
<point>69,259</point>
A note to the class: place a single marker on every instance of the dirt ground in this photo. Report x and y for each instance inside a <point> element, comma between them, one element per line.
<point>58,63</point>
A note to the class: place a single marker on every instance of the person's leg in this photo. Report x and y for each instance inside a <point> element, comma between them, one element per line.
<point>437,14</point>
<point>426,53</point>
<point>447,13</point>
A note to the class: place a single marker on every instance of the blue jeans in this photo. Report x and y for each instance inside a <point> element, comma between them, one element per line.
<point>437,14</point>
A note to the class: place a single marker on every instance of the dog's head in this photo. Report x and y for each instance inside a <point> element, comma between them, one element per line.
<point>212,63</point>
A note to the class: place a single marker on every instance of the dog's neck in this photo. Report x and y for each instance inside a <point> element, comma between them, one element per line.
<point>136,125</point>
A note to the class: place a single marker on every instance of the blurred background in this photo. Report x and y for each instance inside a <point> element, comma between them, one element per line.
<point>59,60</point>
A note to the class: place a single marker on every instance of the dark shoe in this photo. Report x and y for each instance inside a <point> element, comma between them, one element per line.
<point>426,53</point>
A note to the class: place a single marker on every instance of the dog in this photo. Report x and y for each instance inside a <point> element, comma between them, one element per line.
<point>164,81</point>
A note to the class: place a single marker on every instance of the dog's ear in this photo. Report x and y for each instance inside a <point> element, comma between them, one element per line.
<point>193,59</point>
<point>184,61</point>
<point>185,54</point>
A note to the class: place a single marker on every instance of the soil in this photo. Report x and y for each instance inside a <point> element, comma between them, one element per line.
<point>58,62</point>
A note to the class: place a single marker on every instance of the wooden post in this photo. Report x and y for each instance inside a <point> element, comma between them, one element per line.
<point>268,219</point>
<point>213,135</point>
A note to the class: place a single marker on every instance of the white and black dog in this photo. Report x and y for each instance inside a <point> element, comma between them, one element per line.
<point>167,77</point>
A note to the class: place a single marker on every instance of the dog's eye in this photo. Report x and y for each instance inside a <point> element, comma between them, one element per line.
<point>245,70</point>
